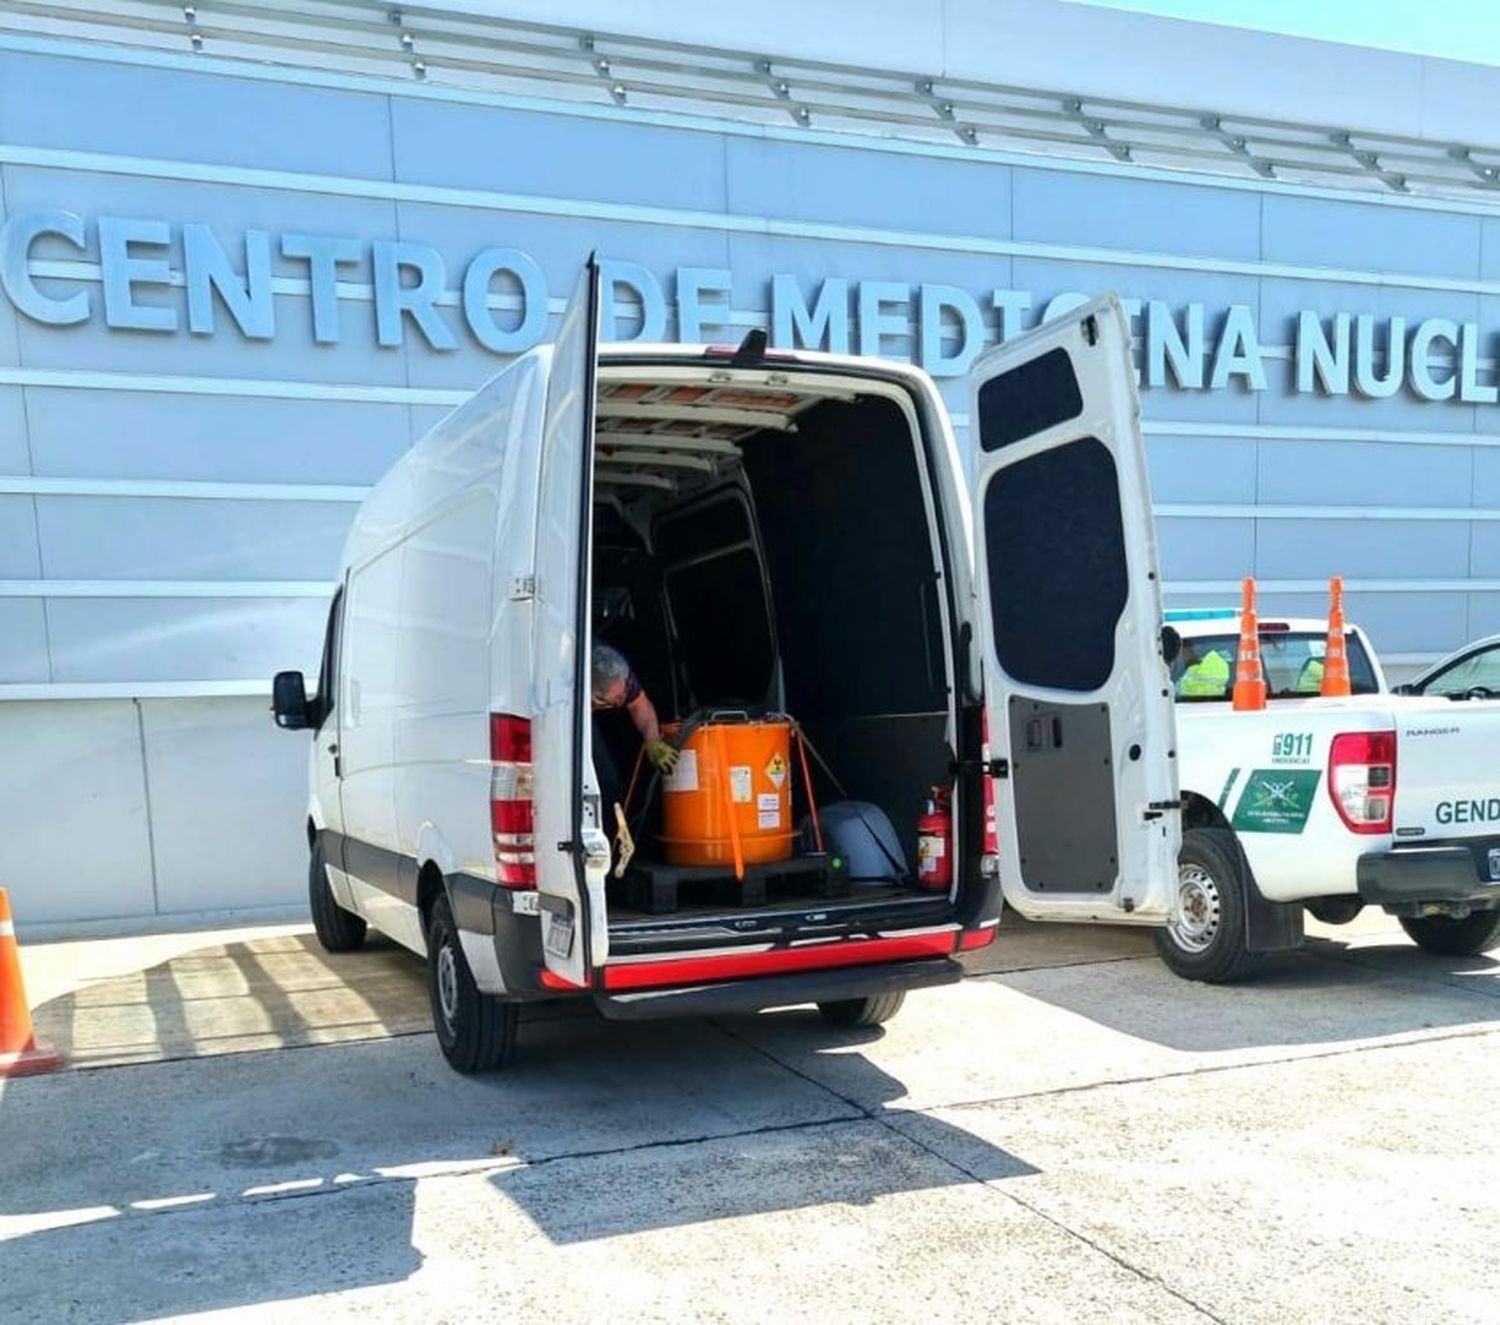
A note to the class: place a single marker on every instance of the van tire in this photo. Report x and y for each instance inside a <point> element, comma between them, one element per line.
<point>1454,936</point>
<point>1205,937</point>
<point>338,930</point>
<point>873,1011</point>
<point>476,1031</point>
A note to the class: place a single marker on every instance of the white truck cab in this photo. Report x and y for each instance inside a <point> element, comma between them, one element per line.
<point>1325,805</point>
<point>788,533</point>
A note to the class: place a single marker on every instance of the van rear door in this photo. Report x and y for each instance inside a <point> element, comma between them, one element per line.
<point>1079,706</point>
<point>572,853</point>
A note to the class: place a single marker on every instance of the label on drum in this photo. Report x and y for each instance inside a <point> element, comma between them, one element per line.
<point>768,806</point>
<point>685,776</point>
<point>739,784</point>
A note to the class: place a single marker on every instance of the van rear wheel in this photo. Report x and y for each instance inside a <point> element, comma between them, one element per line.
<point>476,1031</point>
<point>338,930</point>
<point>1453,936</point>
<point>872,1011</point>
<point>1205,937</point>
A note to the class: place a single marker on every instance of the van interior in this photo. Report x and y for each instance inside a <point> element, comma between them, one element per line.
<point>766,543</point>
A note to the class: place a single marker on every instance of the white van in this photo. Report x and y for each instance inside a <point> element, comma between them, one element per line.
<point>780,531</point>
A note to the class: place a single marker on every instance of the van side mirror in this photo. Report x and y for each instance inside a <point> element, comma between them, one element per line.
<point>1171,644</point>
<point>289,701</point>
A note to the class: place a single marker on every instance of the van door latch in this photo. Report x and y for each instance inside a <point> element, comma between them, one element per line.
<point>1155,809</point>
<point>522,588</point>
<point>995,768</point>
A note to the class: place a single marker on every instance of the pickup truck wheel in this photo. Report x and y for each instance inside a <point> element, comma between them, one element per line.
<point>338,930</point>
<point>1205,938</point>
<point>476,1031</point>
<point>1452,936</point>
<point>872,1011</point>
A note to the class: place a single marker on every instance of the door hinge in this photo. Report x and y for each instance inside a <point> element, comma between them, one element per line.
<point>1155,809</point>
<point>522,588</point>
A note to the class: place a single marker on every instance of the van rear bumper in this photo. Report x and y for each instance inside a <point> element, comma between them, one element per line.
<point>1449,872</point>
<point>760,992</point>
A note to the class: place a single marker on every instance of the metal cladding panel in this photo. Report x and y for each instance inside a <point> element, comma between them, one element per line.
<point>197,813</point>
<point>1364,238</point>
<point>1484,560</point>
<point>99,107</point>
<point>1179,219</point>
<point>1357,474</point>
<point>76,434</point>
<point>20,558</point>
<point>76,843</point>
<point>848,186</point>
<point>1315,549</point>
<point>1206,549</point>
<point>23,641</point>
<point>15,449</point>
<point>1202,469</point>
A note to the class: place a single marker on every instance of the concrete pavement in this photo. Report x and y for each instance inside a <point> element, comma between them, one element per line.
<point>1075,1136</point>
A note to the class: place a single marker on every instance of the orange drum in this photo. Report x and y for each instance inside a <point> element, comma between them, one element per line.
<point>730,800</point>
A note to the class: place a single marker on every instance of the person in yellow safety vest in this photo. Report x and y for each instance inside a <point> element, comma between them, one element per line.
<point>1205,677</point>
<point>1310,679</point>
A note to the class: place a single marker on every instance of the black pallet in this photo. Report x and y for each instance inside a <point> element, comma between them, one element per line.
<point>659,889</point>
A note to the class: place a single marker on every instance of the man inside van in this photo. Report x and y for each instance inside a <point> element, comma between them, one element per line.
<point>615,686</point>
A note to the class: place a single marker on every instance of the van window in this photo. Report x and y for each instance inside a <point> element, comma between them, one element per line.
<point>328,669</point>
<point>1203,670</point>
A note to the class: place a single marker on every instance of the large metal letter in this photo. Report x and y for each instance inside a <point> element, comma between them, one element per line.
<point>480,316</point>
<point>874,322</point>
<point>1365,380</point>
<point>826,327</point>
<point>323,254</point>
<point>1238,352</point>
<point>613,273</point>
<point>1010,305</point>
<point>692,284</point>
<point>1319,357</point>
<point>1165,344</point>
<point>1470,389</point>
<point>207,269</point>
<point>1422,380</point>
<point>933,299</point>
<point>122,272</point>
<point>16,238</point>
<point>392,298</point>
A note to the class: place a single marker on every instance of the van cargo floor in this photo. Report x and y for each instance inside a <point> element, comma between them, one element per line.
<point>789,899</point>
<point>661,889</point>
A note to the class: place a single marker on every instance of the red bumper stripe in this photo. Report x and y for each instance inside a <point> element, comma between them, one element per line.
<point>823,956</point>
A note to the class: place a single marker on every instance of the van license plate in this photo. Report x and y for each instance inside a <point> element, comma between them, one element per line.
<point>559,934</point>
<point>1495,864</point>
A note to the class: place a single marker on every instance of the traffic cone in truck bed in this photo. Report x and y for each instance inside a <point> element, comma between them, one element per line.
<point>1336,655</point>
<point>19,1051</point>
<point>1249,675</point>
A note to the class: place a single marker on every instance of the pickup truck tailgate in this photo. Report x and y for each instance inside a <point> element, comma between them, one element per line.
<point>1447,769</point>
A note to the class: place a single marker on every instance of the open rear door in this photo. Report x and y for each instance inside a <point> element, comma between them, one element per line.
<point>1079,706</point>
<point>572,852</point>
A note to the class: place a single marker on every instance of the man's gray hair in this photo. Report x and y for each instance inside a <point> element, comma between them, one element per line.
<point>609,669</point>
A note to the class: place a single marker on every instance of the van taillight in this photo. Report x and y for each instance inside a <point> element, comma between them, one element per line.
<point>1362,780</point>
<point>511,801</point>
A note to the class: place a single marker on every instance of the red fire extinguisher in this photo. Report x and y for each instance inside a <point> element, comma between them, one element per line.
<point>934,842</point>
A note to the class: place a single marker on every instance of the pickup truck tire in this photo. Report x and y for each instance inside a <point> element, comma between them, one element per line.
<point>1205,938</point>
<point>475,1031</point>
<point>1452,936</point>
<point>871,1011</point>
<point>338,930</point>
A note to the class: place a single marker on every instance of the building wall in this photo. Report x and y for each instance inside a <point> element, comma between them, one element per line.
<point>172,502</point>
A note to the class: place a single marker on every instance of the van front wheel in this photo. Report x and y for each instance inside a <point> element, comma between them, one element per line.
<point>872,1011</point>
<point>338,930</point>
<point>1205,937</point>
<point>476,1031</point>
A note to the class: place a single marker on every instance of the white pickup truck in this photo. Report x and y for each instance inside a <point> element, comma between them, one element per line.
<point>1324,805</point>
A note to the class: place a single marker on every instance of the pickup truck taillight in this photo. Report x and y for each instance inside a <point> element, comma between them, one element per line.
<point>1362,780</point>
<point>511,801</point>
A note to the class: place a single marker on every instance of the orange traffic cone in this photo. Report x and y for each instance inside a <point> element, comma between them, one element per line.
<point>1336,655</point>
<point>19,1051</point>
<point>1249,675</point>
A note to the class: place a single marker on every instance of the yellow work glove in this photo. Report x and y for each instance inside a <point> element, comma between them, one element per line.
<point>662,756</point>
